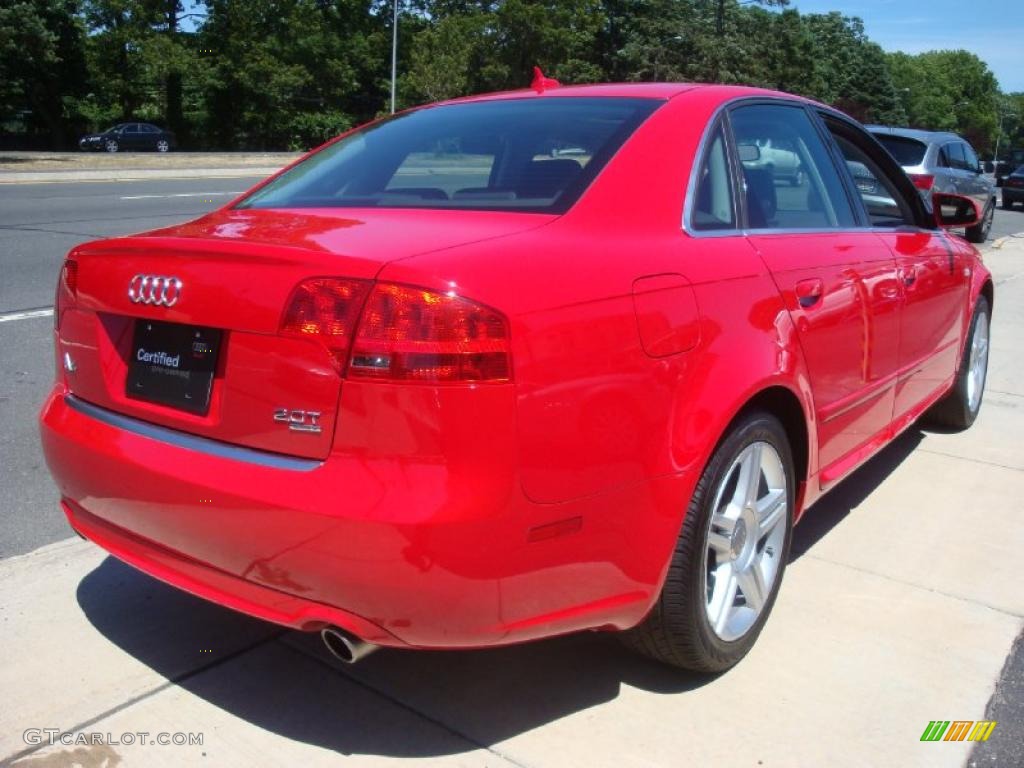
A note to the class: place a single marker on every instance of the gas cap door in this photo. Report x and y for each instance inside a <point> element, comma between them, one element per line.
<point>667,315</point>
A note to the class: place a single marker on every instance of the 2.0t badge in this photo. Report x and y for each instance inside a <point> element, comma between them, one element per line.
<point>299,420</point>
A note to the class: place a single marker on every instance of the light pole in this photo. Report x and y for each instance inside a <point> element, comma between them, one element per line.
<point>999,135</point>
<point>905,101</point>
<point>394,51</point>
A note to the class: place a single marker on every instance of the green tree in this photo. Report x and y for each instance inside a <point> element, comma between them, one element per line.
<point>1011,110</point>
<point>852,72</point>
<point>949,91</point>
<point>42,64</point>
<point>292,73</point>
<point>443,57</point>
<point>119,33</point>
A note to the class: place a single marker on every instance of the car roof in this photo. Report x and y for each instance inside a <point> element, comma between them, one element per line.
<point>914,133</point>
<point>632,90</point>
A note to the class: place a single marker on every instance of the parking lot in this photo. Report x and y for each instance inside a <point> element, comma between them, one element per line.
<point>901,605</point>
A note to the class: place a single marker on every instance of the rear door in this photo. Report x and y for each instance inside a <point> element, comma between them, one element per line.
<point>148,136</point>
<point>955,160</point>
<point>837,278</point>
<point>131,137</point>
<point>932,271</point>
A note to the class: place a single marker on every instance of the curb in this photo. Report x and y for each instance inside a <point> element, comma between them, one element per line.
<point>997,244</point>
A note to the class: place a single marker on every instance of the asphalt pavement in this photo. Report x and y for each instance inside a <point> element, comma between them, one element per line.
<point>39,224</point>
<point>906,629</point>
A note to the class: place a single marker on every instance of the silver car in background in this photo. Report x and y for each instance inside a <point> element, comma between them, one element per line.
<point>942,162</point>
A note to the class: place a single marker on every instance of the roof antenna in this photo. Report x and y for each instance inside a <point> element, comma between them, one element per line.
<point>540,82</point>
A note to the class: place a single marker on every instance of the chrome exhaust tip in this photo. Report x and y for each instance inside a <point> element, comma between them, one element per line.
<point>346,647</point>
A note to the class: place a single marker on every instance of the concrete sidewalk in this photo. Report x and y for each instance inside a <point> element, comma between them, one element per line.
<point>134,174</point>
<point>900,606</point>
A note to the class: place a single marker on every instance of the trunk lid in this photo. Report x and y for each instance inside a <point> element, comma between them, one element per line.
<point>237,270</point>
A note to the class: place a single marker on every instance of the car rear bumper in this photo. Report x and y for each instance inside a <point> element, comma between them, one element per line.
<point>398,553</point>
<point>219,587</point>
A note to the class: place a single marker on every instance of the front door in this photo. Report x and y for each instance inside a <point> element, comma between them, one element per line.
<point>931,275</point>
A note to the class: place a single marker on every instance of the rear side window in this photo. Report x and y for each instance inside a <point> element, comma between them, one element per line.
<point>906,151</point>
<point>790,181</point>
<point>713,203</point>
<point>514,154</point>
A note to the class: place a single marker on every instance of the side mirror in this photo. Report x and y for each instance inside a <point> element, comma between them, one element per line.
<point>749,153</point>
<point>952,211</point>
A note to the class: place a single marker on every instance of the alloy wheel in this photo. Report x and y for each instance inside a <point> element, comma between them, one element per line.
<point>977,366</point>
<point>745,540</point>
<point>162,145</point>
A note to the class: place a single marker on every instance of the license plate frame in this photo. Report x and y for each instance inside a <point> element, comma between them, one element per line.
<point>173,364</point>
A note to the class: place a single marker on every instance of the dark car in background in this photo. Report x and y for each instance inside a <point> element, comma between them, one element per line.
<point>1013,188</point>
<point>942,162</point>
<point>1004,168</point>
<point>129,136</point>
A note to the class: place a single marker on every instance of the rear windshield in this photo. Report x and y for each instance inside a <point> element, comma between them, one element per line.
<point>517,154</point>
<point>906,151</point>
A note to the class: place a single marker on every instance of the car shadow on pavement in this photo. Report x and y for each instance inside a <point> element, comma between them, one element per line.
<point>393,703</point>
<point>397,703</point>
<point>831,510</point>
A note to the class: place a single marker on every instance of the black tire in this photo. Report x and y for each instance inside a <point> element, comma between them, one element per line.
<point>677,631</point>
<point>954,411</point>
<point>1007,204</point>
<point>979,232</point>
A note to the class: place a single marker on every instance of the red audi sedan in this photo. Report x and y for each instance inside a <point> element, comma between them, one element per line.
<point>514,366</point>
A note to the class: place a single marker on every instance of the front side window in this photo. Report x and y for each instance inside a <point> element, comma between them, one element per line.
<point>789,179</point>
<point>712,205</point>
<point>954,155</point>
<point>883,202</point>
<point>515,154</point>
<point>971,159</point>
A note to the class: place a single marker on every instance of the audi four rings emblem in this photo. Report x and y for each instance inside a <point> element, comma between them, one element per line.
<point>154,289</point>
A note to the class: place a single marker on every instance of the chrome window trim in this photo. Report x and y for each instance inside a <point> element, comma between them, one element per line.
<point>738,204</point>
<point>909,229</point>
<point>190,442</point>
<point>698,161</point>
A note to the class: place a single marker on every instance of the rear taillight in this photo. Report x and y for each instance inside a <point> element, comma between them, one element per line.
<point>67,290</point>
<point>923,181</point>
<point>415,335</point>
<point>326,310</point>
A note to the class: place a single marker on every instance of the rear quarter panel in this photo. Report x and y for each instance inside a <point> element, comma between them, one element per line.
<point>594,411</point>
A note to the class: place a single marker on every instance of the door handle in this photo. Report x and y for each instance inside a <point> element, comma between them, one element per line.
<point>808,292</point>
<point>909,276</point>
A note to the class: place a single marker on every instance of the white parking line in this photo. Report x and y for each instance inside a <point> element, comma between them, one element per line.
<point>182,194</point>
<point>26,315</point>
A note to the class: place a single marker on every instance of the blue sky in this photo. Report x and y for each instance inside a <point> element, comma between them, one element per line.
<point>992,29</point>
